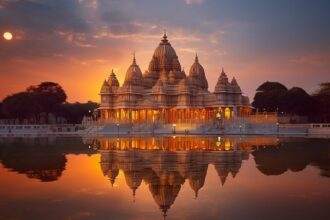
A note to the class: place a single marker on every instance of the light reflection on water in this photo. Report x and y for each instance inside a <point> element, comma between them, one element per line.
<point>179,177</point>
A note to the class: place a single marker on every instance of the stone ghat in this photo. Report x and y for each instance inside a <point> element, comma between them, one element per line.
<point>319,130</point>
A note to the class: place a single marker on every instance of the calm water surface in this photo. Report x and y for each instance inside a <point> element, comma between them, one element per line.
<point>182,177</point>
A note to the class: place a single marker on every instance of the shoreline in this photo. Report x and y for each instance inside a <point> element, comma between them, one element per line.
<point>134,134</point>
<point>79,130</point>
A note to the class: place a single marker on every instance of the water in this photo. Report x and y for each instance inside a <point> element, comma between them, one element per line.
<point>201,177</point>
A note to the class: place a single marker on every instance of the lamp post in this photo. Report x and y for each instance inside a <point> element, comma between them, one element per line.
<point>118,129</point>
<point>278,127</point>
<point>174,130</point>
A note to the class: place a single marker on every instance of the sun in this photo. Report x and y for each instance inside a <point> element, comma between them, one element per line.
<point>7,36</point>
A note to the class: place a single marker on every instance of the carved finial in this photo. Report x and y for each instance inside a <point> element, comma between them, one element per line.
<point>164,40</point>
<point>196,58</point>
<point>164,214</point>
<point>134,190</point>
<point>196,194</point>
<point>134,60</point>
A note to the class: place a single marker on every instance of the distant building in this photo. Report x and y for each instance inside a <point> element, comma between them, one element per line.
<point>164,93</point>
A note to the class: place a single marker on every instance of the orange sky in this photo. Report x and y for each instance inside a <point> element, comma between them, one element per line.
<point>78,48</point>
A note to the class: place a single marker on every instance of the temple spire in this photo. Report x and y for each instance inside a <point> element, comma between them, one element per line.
<point>164,214</point>
<point>134,193</point>
<point>134,60</point>
<point>164,40</point>
<point>196,58</point>
<point>196,194</point>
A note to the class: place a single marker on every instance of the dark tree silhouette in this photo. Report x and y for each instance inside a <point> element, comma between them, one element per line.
<point>35,103</point>
<point>274,96</point>
<point>21,106</point>
<point>323,98</point>
<point>271,86</point>
<point>50,89</point>
<point>74,112</point>
<point>2,115</point>
<point>50,96</point>
<point>298,101</point>
<point>269,97</point>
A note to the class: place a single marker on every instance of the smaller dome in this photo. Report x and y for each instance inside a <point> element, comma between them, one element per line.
<point>112,80</point>
<point>198,74</point>
<point>105,87</point>
<point>133,74</point>
<point>223,83</point>
<point>235,86</point>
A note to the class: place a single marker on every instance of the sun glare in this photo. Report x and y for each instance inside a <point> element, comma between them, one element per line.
<point>8,36</point>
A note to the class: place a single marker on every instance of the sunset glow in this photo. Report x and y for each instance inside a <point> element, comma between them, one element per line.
<point>78,48</point>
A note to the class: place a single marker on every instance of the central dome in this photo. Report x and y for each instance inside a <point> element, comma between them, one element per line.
<point>164,57</point>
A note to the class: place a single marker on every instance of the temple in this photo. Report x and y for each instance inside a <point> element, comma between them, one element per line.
<point>165,94</point>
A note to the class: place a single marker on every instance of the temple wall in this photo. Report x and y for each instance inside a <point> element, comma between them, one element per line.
<point>171,115</point>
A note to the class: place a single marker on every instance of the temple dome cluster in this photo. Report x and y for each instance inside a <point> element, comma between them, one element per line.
<point>167,86</point>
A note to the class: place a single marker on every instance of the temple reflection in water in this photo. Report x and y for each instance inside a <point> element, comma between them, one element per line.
<point>165,163</point>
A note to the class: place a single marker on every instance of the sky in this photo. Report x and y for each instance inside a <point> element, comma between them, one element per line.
<point>76,43</point>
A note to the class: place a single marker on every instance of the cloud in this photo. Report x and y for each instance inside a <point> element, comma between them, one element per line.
<point>188,50</point>
<point>78,39</point>
<point>90,3</point>
<point>190,2</point>
<point>311,59</point>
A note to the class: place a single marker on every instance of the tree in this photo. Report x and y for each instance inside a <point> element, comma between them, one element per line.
<point>271,86</point>
<point>323,98</point>
<point>269,96</point>
<point>21,106</point>
<point>49,88</point>
<point>298,101</point>
<point>74,112</point>
<point>1,112</point>
<point>50,96</point>
<point>274,96</point>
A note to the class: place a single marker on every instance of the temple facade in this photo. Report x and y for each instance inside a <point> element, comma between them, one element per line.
<point>166,94</point>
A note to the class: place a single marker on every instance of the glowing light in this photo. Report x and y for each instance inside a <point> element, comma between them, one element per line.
<point>7,36</point>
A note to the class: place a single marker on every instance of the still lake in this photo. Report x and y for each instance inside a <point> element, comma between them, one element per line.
<point>172,177</point>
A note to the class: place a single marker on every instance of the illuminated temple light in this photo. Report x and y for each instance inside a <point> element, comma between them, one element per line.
<point>165,94</point>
